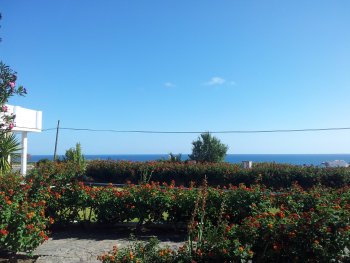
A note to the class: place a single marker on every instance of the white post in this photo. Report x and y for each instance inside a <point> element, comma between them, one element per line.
<point>8,157</point>
<point>24,153</point>
<point>247,164</point>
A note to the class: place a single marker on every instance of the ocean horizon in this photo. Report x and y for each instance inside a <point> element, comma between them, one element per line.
<point>296,159</point>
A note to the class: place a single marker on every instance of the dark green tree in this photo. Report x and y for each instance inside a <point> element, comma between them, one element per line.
<point>208,148</point>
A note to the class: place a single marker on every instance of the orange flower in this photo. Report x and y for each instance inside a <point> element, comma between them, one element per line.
<point>280,215</point>
<point>42,235</point>
<point>30,215</point>
<point>30,227</point>
<point>4,232</point>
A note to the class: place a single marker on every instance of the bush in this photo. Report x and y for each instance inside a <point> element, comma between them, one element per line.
<point>57,184</point>
<point>75,155</point>
<point>22,219</point>
<point>140,252</point>
<point>208,148</point>
<point>269,174</point>
<point>284,227</point>
<point>232,224</point>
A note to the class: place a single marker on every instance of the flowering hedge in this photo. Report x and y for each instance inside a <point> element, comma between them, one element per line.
<point>57,184</point>
<point>261,226</point>
<point>269,174</point>
<point>22,219</point>
<point>241,223</point>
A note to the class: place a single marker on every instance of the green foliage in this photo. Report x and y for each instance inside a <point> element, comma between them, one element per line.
<point>22,218</point>
<point>75,155</point>
<point>140,252</point>
<point>9,147</point>
<point>8,143</point>
<point>269,174</point>
<point>252,224</point>
<point>208,148</point>
<point>8,89</point>
<point>174,157</point>
<point>57,184</point>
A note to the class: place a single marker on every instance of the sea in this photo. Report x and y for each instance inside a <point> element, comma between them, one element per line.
<point>295,159</point>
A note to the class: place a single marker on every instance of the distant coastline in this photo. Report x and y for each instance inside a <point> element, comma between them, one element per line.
<point>297,159</point>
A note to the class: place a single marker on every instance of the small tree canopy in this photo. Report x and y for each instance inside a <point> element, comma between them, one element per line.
<point>208,148</point>
<point>75,155</point>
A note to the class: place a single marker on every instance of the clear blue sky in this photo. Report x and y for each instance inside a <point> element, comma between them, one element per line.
<point>182,65</point>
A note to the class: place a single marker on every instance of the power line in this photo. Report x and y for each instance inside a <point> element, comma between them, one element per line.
<point>198,132</point>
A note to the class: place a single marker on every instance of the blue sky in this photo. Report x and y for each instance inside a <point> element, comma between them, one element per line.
<point>182,66</point>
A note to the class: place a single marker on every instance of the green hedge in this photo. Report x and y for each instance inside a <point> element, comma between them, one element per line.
<point>237,223</point>
<point>269,174</point>
<point>23,223</point>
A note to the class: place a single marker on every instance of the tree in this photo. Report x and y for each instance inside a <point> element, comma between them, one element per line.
<point>75,156</point>
<point>8,89</point>
<point>208,148</point>
<point>8,142</point>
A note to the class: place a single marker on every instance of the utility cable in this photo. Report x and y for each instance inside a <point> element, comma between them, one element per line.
<point>198,132</point>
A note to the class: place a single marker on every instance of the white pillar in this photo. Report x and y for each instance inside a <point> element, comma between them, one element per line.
<point>8,157</point>
<point>24,153</point>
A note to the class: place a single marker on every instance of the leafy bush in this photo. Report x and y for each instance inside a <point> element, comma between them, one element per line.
<point>75,155</point>
<point>283,227</point>
<point>292,224</point>
<point>9,147</point>
<point>140,252</point>
<point>57,184</point>
<point>269,174</point>
<point>22,219</point>
<point>8,142</point>
<point>208,148</point>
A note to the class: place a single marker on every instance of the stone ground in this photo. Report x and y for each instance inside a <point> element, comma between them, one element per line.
<point>79,245</point>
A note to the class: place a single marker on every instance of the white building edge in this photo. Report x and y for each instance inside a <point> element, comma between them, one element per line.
<point>26,120</point>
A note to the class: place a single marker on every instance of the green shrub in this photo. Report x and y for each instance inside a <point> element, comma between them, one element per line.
<point>269,174</point>
<point>208,148</point>
<point>254,224</point>
<point>22,219</point>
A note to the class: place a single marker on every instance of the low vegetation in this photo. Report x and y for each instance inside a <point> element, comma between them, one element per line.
<point>270,175</point>
<point>234,223</point>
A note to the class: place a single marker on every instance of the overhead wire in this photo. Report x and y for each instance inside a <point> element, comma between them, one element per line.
<point>198,132</point>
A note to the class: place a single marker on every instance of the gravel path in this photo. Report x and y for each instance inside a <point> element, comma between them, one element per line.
<point>78,245</point>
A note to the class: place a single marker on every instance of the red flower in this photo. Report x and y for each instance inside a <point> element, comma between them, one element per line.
<point>3,232</point>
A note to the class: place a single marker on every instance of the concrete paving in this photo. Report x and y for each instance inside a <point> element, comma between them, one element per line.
<point>79,245</point>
